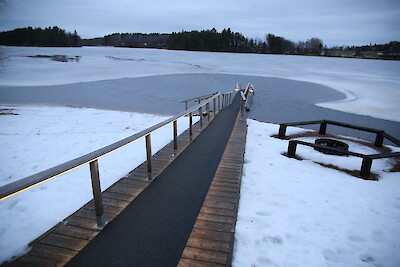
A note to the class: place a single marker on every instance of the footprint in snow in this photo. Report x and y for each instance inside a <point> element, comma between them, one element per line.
<point>263,213</point>
<point>366,258</point>
<point>273,239</point>
<point>330,255</point>
<point>265,261</point>
<point>355,238</point>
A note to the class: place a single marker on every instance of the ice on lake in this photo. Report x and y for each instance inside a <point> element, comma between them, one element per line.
<point>372,87</point>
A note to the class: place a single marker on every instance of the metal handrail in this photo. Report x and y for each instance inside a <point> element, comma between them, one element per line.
<point>249,97</point>
<point>31,181</point>
<point>194,98</point>
<point>197,99</point>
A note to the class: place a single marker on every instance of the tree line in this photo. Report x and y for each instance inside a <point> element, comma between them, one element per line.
<point>205,40</point>
<point>209,40</point>
<point>152,40</point>
<point>50,36</point>
<point>229,41</point>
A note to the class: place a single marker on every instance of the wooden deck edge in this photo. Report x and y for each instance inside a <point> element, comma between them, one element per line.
<point>62,242</point>
<point>211,242</point>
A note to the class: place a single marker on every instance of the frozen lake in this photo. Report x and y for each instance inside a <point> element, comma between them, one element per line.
<point>289,88</point>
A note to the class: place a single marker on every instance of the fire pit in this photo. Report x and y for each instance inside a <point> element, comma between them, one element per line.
<point>331,143</point>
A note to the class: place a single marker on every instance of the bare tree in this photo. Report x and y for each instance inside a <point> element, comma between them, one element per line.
<point>314,45</point>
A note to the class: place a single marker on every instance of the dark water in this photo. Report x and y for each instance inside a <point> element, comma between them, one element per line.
<point>276,100</point>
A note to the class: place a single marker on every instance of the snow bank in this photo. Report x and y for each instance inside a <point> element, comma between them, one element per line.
<point>42,137</point>
<point>297,213</point>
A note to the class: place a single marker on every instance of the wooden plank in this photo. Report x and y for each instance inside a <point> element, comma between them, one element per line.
<point>227,187</point>
<point>78,232</point>
<point>115,202</point>
<point>196,242</point>
<point>232,200</point>
<point>195,263</point>
<point>118,196</point>
<point>139,184</point>
<point>33,261</point>
<point>123,190</point>
<point>205,255</point>
<point>218,211</point>
<point>81,222</point>
<point>215,218</point>
<point>137,176</point>
<point>229,167</point>
<point>212,235</point>
<point>224,189</point>
<point>219,204</point>
<point>233,181</point>
<point>107,209</point>
<point>225,175</point>
<point>215,226</point>
<point>90,214</point>
<point>52,253</point>
<point>62,241</point>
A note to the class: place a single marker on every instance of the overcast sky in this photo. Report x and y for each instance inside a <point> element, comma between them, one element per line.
<point>336,22</point>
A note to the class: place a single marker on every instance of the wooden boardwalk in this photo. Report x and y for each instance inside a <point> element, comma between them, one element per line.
<point>61,243</point>
<point>212,238</point>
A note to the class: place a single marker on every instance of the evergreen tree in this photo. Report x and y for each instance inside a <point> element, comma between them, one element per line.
<point>51,36</point>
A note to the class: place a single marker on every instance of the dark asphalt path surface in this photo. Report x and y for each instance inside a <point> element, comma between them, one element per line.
<point>154,228</point>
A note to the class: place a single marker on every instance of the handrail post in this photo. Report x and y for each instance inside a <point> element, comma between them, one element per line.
<point>186,106</point>
<point>322,127</point>
<point>292,149</point>
<point>379,139</point>
<point>148,156</point>
<point>201,117</point>
<point>175,137</point>
<point>208,111</point>
<point>214,106</point>
<point>366,167</point>
<point>98,201</point>
<point>219,103</point>
<point>190,126</point>
<point>223,100</point>
<point>282,131</point>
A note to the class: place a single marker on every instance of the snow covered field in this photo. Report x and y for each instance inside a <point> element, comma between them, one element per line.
<point>298,213</point>
<point>372,86</point>
<point>43,137</point>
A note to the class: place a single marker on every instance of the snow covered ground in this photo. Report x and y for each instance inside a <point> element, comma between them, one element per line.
<point>298,213</point>
<point>43,137</point>
<point>372,86</point>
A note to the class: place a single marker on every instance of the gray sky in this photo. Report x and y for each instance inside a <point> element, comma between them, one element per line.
<point>336,22</point>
